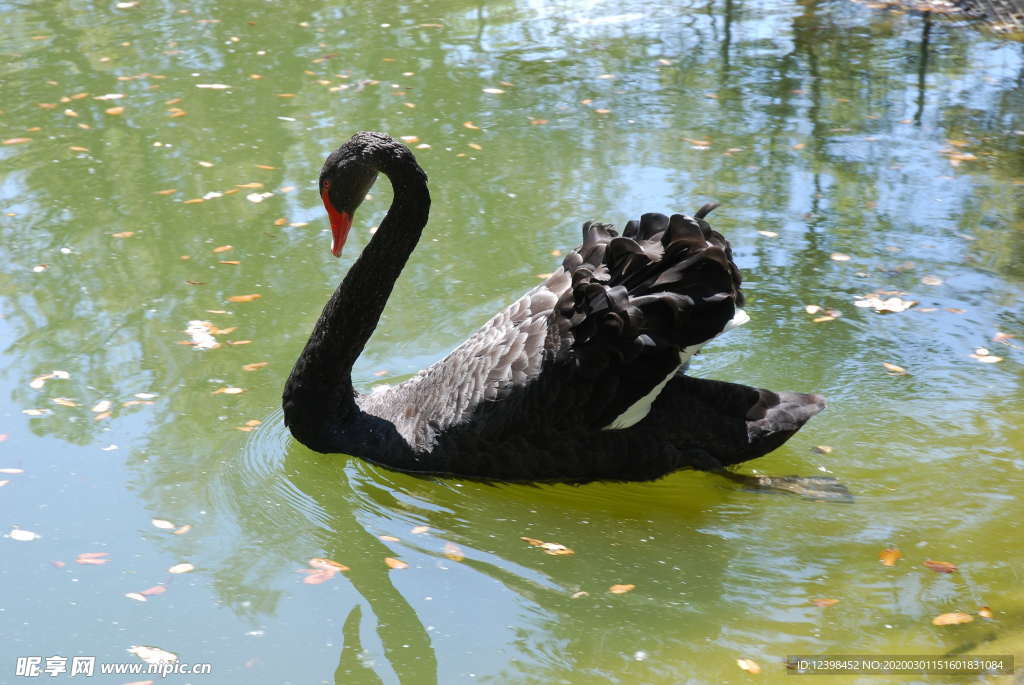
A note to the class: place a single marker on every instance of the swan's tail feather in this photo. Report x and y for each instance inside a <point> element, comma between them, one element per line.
<point>729,423</point>
<point>666,282</point>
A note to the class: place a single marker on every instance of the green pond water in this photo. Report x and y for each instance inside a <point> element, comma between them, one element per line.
<point>825,129</point>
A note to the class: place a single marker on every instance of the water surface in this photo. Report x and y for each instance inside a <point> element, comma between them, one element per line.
<point>823,128</point>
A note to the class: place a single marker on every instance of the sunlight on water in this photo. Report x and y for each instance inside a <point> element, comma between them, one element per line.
<point>159,188</point>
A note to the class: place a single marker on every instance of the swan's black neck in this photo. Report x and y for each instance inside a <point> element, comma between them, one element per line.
<point>319,399</point>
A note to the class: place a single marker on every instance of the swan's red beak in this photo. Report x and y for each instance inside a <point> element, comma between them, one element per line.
<point>341,223</point>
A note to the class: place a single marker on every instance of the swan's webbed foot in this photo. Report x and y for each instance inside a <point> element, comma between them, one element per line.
<point>818,488</point>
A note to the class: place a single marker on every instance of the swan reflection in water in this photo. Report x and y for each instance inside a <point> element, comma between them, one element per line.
<point>441,618</point>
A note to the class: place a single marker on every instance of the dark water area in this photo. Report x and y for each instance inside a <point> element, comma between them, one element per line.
<point>158,170</point>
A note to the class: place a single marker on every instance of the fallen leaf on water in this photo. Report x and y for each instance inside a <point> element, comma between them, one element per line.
<point>983,355</point>
<point>410,139</point>
<point>552,548</point>
<point>123,234</point>
<point>453,552</point>
<point>16,141</point>
<point>382,372</point>
<point>155,590</point>
<point>470,125</point>
<point>22,535</point>
<point>4,482</point>
<point>228,390</point>
<point>244,298</point>
<point>419,530</point>
<point>985,612</point>
<point>894,369</point>
<point>322,564</point>
<point>749,665</point>
<point>940,566</point>
<point>153,655</point>
<point>181,568</point>
<point>577,595</point>
<point>213,86</point>
<point>101,406</point>
<point>389,538</point>
<point>254,366</point>
<point>475,146</point>
<point>839,257</point>
<point>92,558</point>
<point>114,111</point>
<point>769,234</point>
<point>823,449</point>
<point>952,619</point>
<point>65,402</point>
<point>493,91</point>
<point>35,412</point>
<point>931,280</point>
<point>823,602</point>
<point>621,589</point>
<point>163,524</point>
<point>184,529</point>
<point>254,184</point>
<point>888,305</point>
<point>889,555</point>
<point>315,577</point>
<point>222,248</point>
<point>136,596</point>
<point>395,563</point>
<point>78,148</point>
<point>538,122</point>
<point>12,471</point>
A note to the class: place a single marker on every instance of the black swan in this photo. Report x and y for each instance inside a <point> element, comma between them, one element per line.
<point>580,379</point>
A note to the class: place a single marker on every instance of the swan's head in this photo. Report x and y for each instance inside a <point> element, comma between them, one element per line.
<point>351,170</point>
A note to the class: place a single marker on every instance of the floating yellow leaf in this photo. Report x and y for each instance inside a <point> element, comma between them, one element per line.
<point>552,548</point>
<point>123,234</point>
<point>184,529</point>
<point>244,298</point>
<point>476,146</point>
<point>940,566</point>
<point>155,590</point>
<point>228,390</point>
<point>389,538</point>
<point>114,111</point>
<point>453,552</point>
<point>931,280</point>
<point>839,257</point>
<point>323,564</point>
<point>162,524</point>
<point>823,602</point>
<point>470,125</point>
<point>749,665</point>
<point>222,248</point>
<point>419,530</point>
<point>823,449</point>
<point>395,563</point>
<point>16,141</point>
<point>769,234</point>
<point>621,589</point>
<point>952,619</point>
<point>92,558</point>
<point>12,471</point>
<point>889,555</point>
<point>181,568</point>
<point>153,655</point>
<point>493,91</point>
<point>985,612</point>
<point>894,369</point>
<point>136,596</point>
<point>254,366</point>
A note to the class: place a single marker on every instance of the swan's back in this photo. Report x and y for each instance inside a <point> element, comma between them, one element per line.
<point>588,349</point>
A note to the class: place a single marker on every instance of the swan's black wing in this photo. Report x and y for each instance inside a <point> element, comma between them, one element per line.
<point>588,349</point>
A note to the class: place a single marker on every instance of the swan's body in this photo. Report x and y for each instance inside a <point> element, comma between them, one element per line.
<point>580,379</point>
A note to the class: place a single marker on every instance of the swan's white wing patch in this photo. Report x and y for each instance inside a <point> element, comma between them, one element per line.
<point>639,409</point>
